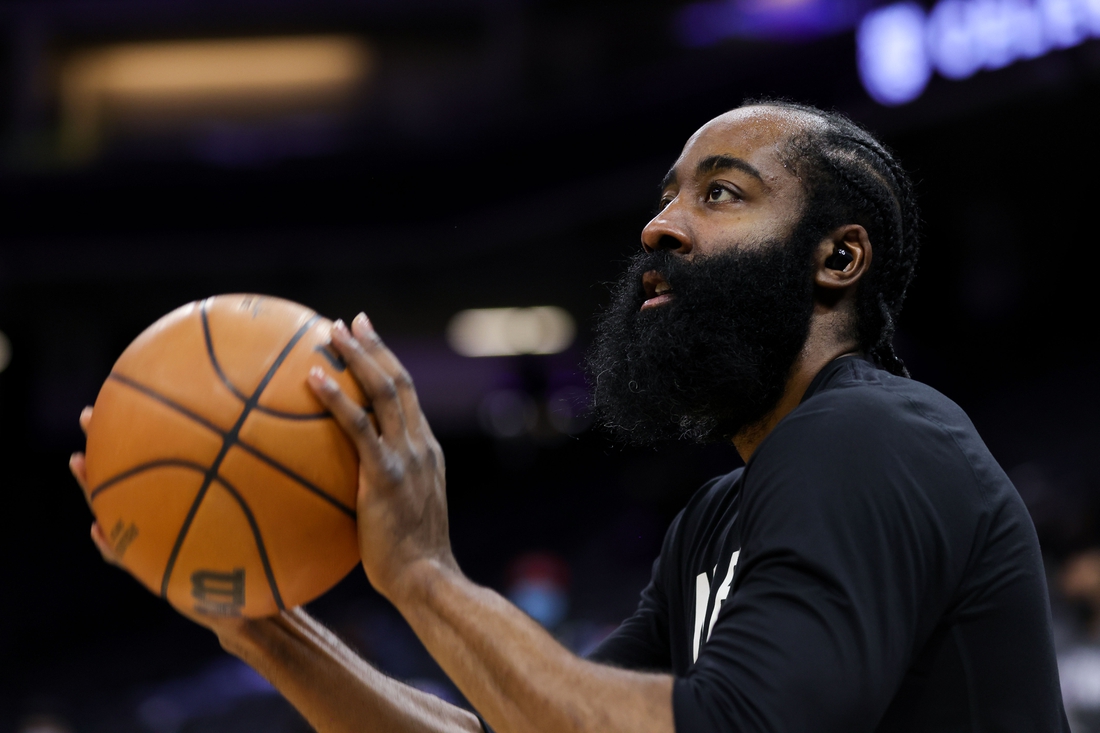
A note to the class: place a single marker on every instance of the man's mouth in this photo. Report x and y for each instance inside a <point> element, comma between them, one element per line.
<point>657,290</point>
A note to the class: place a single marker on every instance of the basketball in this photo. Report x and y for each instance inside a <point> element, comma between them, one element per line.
<point>216,475</point>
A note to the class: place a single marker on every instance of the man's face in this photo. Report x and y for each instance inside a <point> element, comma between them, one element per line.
<point>707,322</point>
<point>729,188</point>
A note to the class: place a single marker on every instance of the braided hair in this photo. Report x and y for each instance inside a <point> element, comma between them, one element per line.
<point>851,178</point>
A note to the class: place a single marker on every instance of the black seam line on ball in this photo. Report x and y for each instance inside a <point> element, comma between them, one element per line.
<point>305,483</point>
<point>167,402</point>
<point>209,339</point>
<point>227,442</point>
<point>257,537</point>
<point>210,352</point>
<point>173,405</point>
<point>294,415</point>
<point>130,472</point>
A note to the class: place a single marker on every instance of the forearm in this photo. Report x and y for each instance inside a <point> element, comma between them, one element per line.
<point>334,689</point>
<point>518,676</point>
<point>513,672</point>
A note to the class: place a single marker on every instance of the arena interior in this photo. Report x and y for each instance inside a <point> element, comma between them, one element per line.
<point>422,158</point>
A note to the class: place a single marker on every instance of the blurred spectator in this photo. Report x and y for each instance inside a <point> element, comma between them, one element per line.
<point>1079,642</point>
<point>538,583</point>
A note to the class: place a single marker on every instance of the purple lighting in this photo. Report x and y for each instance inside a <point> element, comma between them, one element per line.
<point>706,23</point>
<point>900,45</point>
<point>893,61</point>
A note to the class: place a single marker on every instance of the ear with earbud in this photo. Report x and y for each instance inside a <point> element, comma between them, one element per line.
<point>839,260</point>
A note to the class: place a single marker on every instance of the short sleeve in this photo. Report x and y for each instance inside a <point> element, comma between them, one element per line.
<point>844,557</point>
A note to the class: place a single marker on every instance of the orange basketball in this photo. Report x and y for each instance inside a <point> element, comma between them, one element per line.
<point>215,473</point>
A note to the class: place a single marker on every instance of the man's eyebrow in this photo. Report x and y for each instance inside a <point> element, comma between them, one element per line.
<point>668,180</point>
<point>713,163</point>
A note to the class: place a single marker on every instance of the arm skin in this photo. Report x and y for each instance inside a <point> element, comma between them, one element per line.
<point>335,690</point>
<point>509,668</point>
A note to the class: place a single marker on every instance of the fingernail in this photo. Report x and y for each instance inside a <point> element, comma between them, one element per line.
<point>340,328</point>
<point>322,380</point>
<point>364,322</point>
<point>317,376</point>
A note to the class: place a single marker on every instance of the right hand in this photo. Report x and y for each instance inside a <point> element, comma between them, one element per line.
<point>402,502</point>
<point>226,627</point>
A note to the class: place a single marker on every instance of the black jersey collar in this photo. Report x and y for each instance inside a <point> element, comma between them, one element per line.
<point>830,369</point>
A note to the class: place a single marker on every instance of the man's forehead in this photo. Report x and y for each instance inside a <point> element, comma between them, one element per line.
<point>759,120</point>
<point>755,134</point>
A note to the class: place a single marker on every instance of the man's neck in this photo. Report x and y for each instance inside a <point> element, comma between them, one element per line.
<point>811,361</point>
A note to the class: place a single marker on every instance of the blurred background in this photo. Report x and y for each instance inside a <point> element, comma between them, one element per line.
<point>421,158</point>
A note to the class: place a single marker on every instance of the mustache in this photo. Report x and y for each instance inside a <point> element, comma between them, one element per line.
<point>677,271</point>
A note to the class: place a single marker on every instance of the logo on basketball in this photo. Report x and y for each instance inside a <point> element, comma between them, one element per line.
<point>219,594</point>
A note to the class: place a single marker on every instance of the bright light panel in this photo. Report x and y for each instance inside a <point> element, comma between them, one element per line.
<point>217,67</point>
<point>166,83</point>
<point>511,331</point>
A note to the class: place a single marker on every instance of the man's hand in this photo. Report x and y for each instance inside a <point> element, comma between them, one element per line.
<point>223,626</point>
<point>402,504</point>
<point>506,665</point>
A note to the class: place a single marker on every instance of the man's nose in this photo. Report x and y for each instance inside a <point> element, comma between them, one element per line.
<point>664,231</point>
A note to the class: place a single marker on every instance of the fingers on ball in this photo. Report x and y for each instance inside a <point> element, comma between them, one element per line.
<point>103,545</point>
<point>380,388</point>
<point>351,416</point>
<point>391,380</point>
<point>76,467</point>
<point>387,383</point>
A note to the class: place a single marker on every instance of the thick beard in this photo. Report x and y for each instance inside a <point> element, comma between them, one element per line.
<point>714,360</point>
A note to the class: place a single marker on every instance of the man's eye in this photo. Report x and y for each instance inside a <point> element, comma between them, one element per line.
<point>716,194</point>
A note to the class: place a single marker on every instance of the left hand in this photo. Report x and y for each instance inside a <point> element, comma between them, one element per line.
<point>226,627</point>
<point>402,502</point>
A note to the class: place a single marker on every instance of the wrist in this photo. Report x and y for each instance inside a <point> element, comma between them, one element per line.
<point>421,580</point>
<point>238,638</point>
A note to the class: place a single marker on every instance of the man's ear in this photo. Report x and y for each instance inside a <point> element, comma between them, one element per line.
<point>842,258</point>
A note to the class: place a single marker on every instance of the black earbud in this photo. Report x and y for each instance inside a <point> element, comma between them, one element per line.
<point>839,259</point>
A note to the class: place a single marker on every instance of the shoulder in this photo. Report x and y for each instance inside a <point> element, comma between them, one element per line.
<point>877,445</point>
<point>870,452</point>
<point>863,410</point>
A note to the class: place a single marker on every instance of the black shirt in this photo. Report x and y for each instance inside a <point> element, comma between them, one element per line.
<point>872,568</point>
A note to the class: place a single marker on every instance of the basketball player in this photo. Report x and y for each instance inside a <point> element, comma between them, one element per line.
<point>870,569</point>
